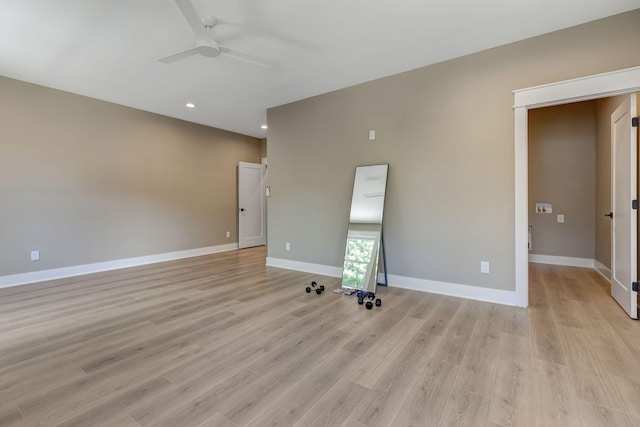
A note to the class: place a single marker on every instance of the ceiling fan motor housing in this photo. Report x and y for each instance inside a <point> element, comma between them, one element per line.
<point>208,48</point>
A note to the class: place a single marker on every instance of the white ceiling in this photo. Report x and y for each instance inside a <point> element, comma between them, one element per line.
<point>109,49</point>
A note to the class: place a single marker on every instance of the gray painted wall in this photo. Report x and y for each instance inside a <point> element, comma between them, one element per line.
<point>85,181</point>
<point>447,131</point>
<point>562,171</point>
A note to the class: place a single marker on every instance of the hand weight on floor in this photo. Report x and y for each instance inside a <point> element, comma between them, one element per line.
<point>314,286</point>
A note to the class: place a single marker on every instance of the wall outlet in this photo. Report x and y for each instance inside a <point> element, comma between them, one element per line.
<point>287,246</point>
<point>228,234</point>
<point>484,267</point>
<point>544,208</point>
<point>560,218</point>
<point>35,255</point>
<point>372,135</point>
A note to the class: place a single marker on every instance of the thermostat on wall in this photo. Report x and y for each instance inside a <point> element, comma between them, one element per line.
<point>543,208</point>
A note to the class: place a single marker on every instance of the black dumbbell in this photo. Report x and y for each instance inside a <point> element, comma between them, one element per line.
<point>361,296</point>
<point>366,295</point>
<point>314,285</point>
<point>378,302</point>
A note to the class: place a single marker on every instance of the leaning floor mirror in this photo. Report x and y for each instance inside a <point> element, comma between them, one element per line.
<point>364,236</point>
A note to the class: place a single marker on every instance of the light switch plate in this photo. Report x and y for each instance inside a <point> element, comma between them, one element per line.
<point>560,218</point>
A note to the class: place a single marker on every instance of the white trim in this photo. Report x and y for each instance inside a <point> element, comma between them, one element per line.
<point>247,196</point>
<point>78,270</point>
<point>581,89</point>
<point>443,288</point>
<point>497,296</point>
<point>562,260</point>
<point>522,200</point>
<point>603,270</point>
<point>307,267</point>
<point>589,87</point>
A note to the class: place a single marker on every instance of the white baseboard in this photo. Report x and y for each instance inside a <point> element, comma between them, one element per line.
<point>562,260</point>
<point>78,270</point>
<point>307,267</point>
<point>603,270</point>
<point>432,286</point>
<point>477,293</point>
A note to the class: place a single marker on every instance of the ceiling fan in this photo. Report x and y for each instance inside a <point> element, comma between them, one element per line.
<point>205,45</point>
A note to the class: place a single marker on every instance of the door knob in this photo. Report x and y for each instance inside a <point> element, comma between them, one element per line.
<point>610,215</point>
<point>242,210</point>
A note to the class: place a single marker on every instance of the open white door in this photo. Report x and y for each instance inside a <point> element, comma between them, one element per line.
<point>624,219</point>
<point>251,205</point>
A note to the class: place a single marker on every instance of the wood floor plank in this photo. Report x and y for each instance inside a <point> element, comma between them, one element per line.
<point>478,367</point>
<point>368,331</point>
<point>293,404</point>
<point>75,397</point>
<point>441,315</point>
<point>537,293</point>
<point>428,396</point>
<point>120,404</point>
<point>382,402</point>
<point>218,420</point>
<point>10,415</point>
<point>280,379</point>
<point>453,345</point>
<point>629,387</point>
<point>334,407</point>
<point>223,340</point>
<point>465,409</point>
<point>191,404</point>
<point>512,402</point>
<point>544,335</point>
<point>598,416</point>
<point>590,379</point>
<point>352,423</point>
<point>372,365</point>
<point>555,400</point>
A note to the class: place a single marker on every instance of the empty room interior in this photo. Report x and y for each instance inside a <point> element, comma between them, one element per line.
<point>288,213</point>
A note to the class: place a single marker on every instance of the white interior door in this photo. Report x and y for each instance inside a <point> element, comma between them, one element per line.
<point>251,205</point>
<point>624,220</point>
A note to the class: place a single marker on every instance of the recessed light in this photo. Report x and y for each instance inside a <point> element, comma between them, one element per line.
<point>190,105</point>
<point>264,126</point>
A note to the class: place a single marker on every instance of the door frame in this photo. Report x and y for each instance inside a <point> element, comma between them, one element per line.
<point>596,86</point>
<point>263,202</point>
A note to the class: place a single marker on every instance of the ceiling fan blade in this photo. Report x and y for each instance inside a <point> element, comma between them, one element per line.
<point>178,56</point>
<point>246,57</point>
<point>190,14</point>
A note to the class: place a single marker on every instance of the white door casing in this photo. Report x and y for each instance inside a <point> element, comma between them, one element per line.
<point>581,89</point>
<point>251,205</point>
<point>624,219</point>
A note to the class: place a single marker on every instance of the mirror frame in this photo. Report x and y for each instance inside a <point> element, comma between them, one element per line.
<point>358,228</point>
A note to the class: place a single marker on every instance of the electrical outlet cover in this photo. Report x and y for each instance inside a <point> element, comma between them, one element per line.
<point>484,267</point>
<point>545,208</point>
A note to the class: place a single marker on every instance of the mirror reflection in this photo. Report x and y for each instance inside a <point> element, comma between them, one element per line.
<point>360,270</point>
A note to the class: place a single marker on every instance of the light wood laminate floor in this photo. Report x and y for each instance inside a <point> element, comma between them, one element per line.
<point>222,340</point>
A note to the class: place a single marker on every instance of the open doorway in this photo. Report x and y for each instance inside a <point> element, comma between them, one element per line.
<point>564,185</point>
<point>588,88</point>
<point>571,215</point>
